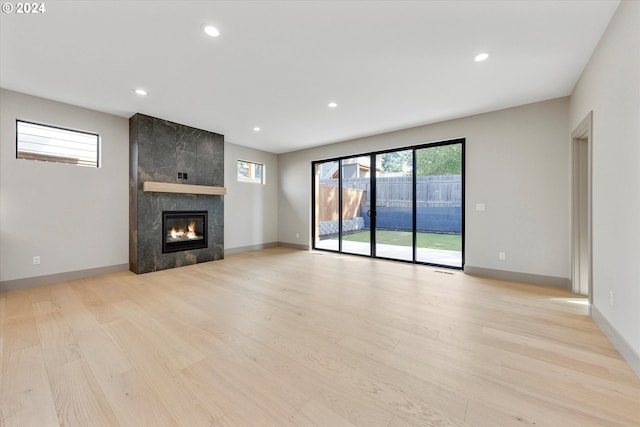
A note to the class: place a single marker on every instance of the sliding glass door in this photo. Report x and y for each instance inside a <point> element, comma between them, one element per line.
<point>355,177</point>
<point>394,205</point>
<point>341,201</point>
<point>404,204</point>
<point>326,205</point>
<point>439,222</point>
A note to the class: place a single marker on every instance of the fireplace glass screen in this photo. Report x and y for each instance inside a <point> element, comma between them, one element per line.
<point>184,230</point>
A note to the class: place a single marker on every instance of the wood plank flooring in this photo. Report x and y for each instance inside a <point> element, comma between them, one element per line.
<point>293,338</point>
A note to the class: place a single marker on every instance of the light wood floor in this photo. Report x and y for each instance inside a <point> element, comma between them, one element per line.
<point>281,337</point>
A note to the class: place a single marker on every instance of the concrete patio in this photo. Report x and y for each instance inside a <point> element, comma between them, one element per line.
<point>432,256</point>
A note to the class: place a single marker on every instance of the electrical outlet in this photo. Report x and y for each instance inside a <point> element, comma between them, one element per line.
<point>610,297</point>
<point>36,260</point>
<point>297,235</point>
<point>480,207</point>
<point>502,256</point>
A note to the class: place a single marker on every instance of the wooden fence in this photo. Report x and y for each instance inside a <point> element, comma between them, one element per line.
<point>327,206</point>
<point>396,191</point>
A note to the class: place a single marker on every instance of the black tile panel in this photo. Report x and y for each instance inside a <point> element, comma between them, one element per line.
<point>159,149</point>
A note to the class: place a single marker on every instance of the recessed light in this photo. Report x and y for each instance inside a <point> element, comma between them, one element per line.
<point>211,30</point>
<point>332,105</point>
<point>141,92</point>
<point>256,129</point>
<point>481,57</point>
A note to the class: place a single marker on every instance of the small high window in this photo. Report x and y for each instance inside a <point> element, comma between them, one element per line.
<point>251,172</point>
<point>53,144</point>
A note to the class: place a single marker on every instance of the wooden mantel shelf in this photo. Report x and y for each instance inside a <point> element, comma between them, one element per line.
<point>167,187</point>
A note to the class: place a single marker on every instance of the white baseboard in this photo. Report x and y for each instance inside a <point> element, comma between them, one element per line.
<point>240,249</point>
<point>294,246</point>
<point>536,279</point>
<point>618,341</point>
<point>257,247</point>
<point>31,282</point>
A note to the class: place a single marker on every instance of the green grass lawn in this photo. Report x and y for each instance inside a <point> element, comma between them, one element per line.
<point>452,242</point>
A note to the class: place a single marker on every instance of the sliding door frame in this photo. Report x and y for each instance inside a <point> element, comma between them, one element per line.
<point>373,226</point>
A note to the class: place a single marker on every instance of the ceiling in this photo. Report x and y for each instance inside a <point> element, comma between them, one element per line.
<point>277,64</point>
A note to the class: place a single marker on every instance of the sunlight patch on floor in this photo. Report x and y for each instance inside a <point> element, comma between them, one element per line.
<point>578,301</point>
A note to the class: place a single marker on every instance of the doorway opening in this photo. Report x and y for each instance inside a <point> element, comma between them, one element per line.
<point>581,211</point>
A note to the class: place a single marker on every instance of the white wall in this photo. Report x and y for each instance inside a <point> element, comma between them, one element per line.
<point>250,210</point>
<point>70,215</point>
<point>74,218</point>
<point>610,87</point>
<point>517,163</point>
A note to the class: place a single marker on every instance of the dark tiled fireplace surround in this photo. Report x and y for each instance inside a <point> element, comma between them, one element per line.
<point>159,150</point>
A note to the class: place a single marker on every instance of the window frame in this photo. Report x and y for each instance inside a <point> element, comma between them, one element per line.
<point>252,171</point>
<point>22,154</point>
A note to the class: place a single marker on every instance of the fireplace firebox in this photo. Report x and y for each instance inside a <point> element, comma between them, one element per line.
<point>183,230</point>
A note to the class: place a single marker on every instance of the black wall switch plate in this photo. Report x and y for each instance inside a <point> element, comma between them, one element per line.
<point>179,175</point>
<point>184,175</point>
